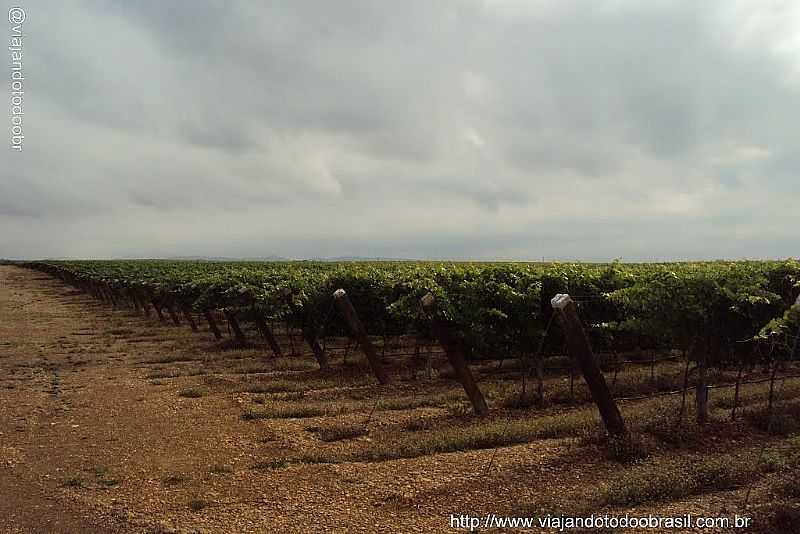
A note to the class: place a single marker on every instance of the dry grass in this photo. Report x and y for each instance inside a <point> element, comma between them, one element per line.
<point>629,448</point>
<point>293,410</point>
<point>672,479</point>
<point>479,435</point>
<point>196,505</point>
<point>284,385</point>
<point>271,464</point>
<point>341,432</point>
<point>777,518</point>
<point>173,358</point>
<point>193,393</point>
<point>175,480</point>
<point>278,364</point>
<point>220,470</point>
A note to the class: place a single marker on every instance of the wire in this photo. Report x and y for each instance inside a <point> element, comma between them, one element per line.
<point>524,375</point>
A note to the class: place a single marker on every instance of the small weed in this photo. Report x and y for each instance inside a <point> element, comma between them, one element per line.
<point>221,470</point>
<point>252,415</point>
<point>297,411</point>
<point>777,518</point>
<point>667,480</point>
<point>174,480</point>
<point>164,374</point>
<point>120,331</point>
<point>268,438</point>
<point>279,410</point>
<point>98,471</point>
<point>342,432</point>
<point>415,425</point>
<point>664,425</point>
<point>172,359</point>
<point>481,435</point>
<point>271,464</point>
<point>779,423</point>
<point>790,486</point>
<point>459,409</point>
<point>519,401</point>
<point>193,393</point>
<point>785,459</point>
<point>253,368</point>
<point>196,505</point>
<point>420,401</point>
<point>629,448</point>
<point>287,386</point>
<point>292,364</point>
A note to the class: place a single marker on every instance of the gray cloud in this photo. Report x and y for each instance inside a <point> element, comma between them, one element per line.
<point>468,129</point>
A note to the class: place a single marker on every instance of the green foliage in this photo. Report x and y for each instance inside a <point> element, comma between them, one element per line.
<point>705,305</point>
<point>498,308</point>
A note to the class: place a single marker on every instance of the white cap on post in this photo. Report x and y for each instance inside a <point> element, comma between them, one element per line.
<point>560,301</point>
<point>428,300</point>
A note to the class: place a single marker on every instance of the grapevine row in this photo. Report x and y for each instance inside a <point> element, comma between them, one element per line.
<point>725,311</point>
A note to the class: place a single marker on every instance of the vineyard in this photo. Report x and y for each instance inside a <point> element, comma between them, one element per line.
<point>718,315</point>
<point>249,396</point>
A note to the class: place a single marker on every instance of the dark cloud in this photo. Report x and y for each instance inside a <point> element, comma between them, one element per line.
<point>472,129</point>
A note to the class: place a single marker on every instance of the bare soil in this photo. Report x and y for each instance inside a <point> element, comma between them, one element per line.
<point>96,435</point>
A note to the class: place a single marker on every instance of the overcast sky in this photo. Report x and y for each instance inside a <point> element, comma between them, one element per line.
<point>485,129</point>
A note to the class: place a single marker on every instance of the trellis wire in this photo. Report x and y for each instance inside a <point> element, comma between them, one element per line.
<point>524,378</point>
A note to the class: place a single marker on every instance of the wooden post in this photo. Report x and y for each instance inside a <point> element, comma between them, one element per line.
<point>212,324</point>
<point>771,398</point>
<point>187,313</point>
<point>350,316</point>
<point>145,307</point>
<point>103,292</point>
<point>110,293</point>
<point>540,378</point>
<point>581,351</point>
<point>172,314</point>
<point>134,300</point>
<point>455,355</point>
<point>701,396</point>
<point>158,311</point>
<point>98,291</point>
<point>653,366</point>
<point>142,302</point>
<point>736,392</point>
<point>267,334</point>
<point>701,391</point>
<point>685,386</point>
<point>572,380</point>
<point>319,354</point>
<point>796,344</point>
<point>237,331</point>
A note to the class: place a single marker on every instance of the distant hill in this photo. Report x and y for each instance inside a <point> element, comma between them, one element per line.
<point>222,258</point>
<point>357,258</point>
